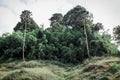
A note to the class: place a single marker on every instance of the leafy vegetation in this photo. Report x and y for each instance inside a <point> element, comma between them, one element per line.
<point>72,38</point>
<point>26,19</point>
<point>64,41</point>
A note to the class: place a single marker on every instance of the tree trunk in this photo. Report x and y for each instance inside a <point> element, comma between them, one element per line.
<point>24,38</point>
<point>87,46</point>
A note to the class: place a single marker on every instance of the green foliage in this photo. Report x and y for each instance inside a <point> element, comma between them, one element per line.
<point>98,27</point>
<point>116,32</point>
<point>114,67</point>
<point>56,27</point>
<point>10,46</point>
<point>58,42</point>
<point>56,23</point>
<point>57,17</point>
<point>74,17</point>
<point>101,45</point>
<point>26,19</point>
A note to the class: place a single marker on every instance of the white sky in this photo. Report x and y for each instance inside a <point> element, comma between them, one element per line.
<point>104,11</point>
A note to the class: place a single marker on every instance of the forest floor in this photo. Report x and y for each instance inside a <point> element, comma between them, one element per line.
<point>98,68</point>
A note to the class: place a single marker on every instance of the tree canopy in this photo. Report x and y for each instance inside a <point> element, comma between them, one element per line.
<point>26,18</point>
<point>116,32</point>
<point>74,17</point>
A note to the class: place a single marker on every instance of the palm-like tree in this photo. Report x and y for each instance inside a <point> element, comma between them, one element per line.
<point>25,18</point>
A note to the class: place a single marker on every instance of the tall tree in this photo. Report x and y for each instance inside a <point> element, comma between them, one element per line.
<point>87,45</point>
<point>26,24</point>
<point>25,18</point>
<point>77,17</point>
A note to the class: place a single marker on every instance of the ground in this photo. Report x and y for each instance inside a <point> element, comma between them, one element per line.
<point>98,68</point>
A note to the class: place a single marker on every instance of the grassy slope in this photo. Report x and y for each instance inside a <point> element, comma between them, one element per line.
<point>98,68</point>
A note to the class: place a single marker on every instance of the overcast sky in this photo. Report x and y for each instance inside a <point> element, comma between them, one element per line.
<point>104,11</point>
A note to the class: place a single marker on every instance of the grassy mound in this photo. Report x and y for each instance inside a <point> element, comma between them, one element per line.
<point>98,68</point>
<point>32,74</point>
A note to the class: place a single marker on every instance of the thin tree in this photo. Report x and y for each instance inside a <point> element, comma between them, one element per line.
<point>25,18</point>
<point>85,32</point>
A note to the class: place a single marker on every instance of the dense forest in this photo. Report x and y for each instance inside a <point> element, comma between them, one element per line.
<point>70,38</point>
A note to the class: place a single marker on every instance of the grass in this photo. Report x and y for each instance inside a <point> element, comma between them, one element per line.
<point>98,68</point>
<point>31,74</point>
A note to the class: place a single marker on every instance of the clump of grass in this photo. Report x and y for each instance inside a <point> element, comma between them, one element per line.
<point>117,76</point>
<point>100,76</point>
<point>29,64</point>
<point>8,65</point>
<point>114,67</point>
<point>18,75</point>
<point>74,76</point>
<point>32,74</point>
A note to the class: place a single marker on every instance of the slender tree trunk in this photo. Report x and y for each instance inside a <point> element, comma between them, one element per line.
<point>87,46</point>
<point>24,38</point>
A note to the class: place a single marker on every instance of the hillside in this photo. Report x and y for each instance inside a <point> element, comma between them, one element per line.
<point>70,49</point>
<point>98,68</point>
